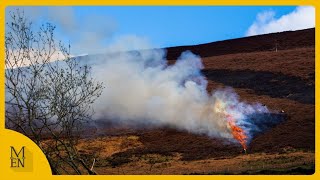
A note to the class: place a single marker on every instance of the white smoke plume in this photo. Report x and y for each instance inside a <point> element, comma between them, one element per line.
<point>141,88</point>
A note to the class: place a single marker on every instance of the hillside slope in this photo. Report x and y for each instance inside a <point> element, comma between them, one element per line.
<point>283,80</point>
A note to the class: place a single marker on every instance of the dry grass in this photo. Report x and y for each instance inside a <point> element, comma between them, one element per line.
<point>107,146</point>
<point>298,62</point>
<point>173,164</point>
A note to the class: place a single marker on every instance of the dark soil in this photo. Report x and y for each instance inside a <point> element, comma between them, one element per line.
<point>275,85</point>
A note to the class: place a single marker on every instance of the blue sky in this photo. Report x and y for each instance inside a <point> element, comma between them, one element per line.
<point>171,26</point>
<point>92,28</point>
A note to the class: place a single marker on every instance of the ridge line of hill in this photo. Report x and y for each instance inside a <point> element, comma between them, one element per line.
<point>266,42</point>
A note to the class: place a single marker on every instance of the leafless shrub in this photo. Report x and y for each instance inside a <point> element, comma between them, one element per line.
<point>47,100</point>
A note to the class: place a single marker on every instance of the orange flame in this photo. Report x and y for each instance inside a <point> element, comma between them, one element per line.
<point>237,132</point>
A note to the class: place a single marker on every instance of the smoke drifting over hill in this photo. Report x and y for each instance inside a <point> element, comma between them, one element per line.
<point>141,88</point>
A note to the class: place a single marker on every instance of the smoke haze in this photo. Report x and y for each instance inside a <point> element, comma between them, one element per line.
<point>141,88</point>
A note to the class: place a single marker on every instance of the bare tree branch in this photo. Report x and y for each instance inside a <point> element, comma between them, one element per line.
<point>47,99</point>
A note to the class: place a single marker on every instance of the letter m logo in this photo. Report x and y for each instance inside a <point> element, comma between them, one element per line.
<point>17,157</point>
